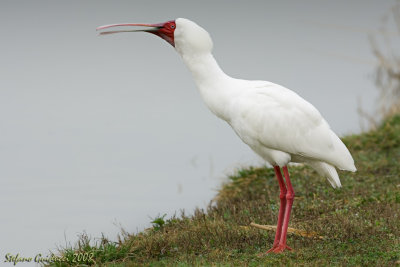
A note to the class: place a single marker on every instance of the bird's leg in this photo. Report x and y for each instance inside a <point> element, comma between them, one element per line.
<point>289,202</point>
<point>282,196</point>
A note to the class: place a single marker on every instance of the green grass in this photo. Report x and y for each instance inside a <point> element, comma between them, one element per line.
<point>360,221</point>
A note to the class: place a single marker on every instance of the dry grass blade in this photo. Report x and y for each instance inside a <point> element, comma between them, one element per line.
<point>290,230</point>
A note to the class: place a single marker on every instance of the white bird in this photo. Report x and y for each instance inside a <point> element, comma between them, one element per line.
<point>275,122</point>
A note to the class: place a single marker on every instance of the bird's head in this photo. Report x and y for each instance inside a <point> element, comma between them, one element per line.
<point>183,34</point>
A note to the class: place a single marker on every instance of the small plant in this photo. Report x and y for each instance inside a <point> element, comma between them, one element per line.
<point>158,222</point>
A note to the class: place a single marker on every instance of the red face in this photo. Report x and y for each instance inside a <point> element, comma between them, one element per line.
<point>164,30</point>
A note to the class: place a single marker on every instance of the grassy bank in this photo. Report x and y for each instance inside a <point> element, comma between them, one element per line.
<point>360,222</point>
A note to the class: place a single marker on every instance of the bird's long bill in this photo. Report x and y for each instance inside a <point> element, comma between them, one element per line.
<point>148,27</point>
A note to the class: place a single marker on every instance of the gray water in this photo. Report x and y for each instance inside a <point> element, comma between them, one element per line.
<point>102,132</point>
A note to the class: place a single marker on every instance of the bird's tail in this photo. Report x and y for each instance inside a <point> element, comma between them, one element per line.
<point>328,171</point>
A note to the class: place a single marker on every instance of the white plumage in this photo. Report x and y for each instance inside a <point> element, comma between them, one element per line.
<point>275,122</point>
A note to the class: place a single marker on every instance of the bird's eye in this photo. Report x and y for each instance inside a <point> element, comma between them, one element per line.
<point>172,26</point>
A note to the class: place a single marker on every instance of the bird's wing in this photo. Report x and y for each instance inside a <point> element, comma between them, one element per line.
<point>280,119</point>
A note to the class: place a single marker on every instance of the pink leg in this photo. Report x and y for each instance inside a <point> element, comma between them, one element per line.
<point>282,196</point>
<point>289,202</point>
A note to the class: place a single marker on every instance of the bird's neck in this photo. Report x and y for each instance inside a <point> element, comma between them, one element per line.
<point>204,68</point>
<point>210,80</point>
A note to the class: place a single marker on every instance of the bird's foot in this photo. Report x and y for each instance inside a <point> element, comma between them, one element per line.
<point>269,251</point>
<point>280,249</point>
<point>276,249</point>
